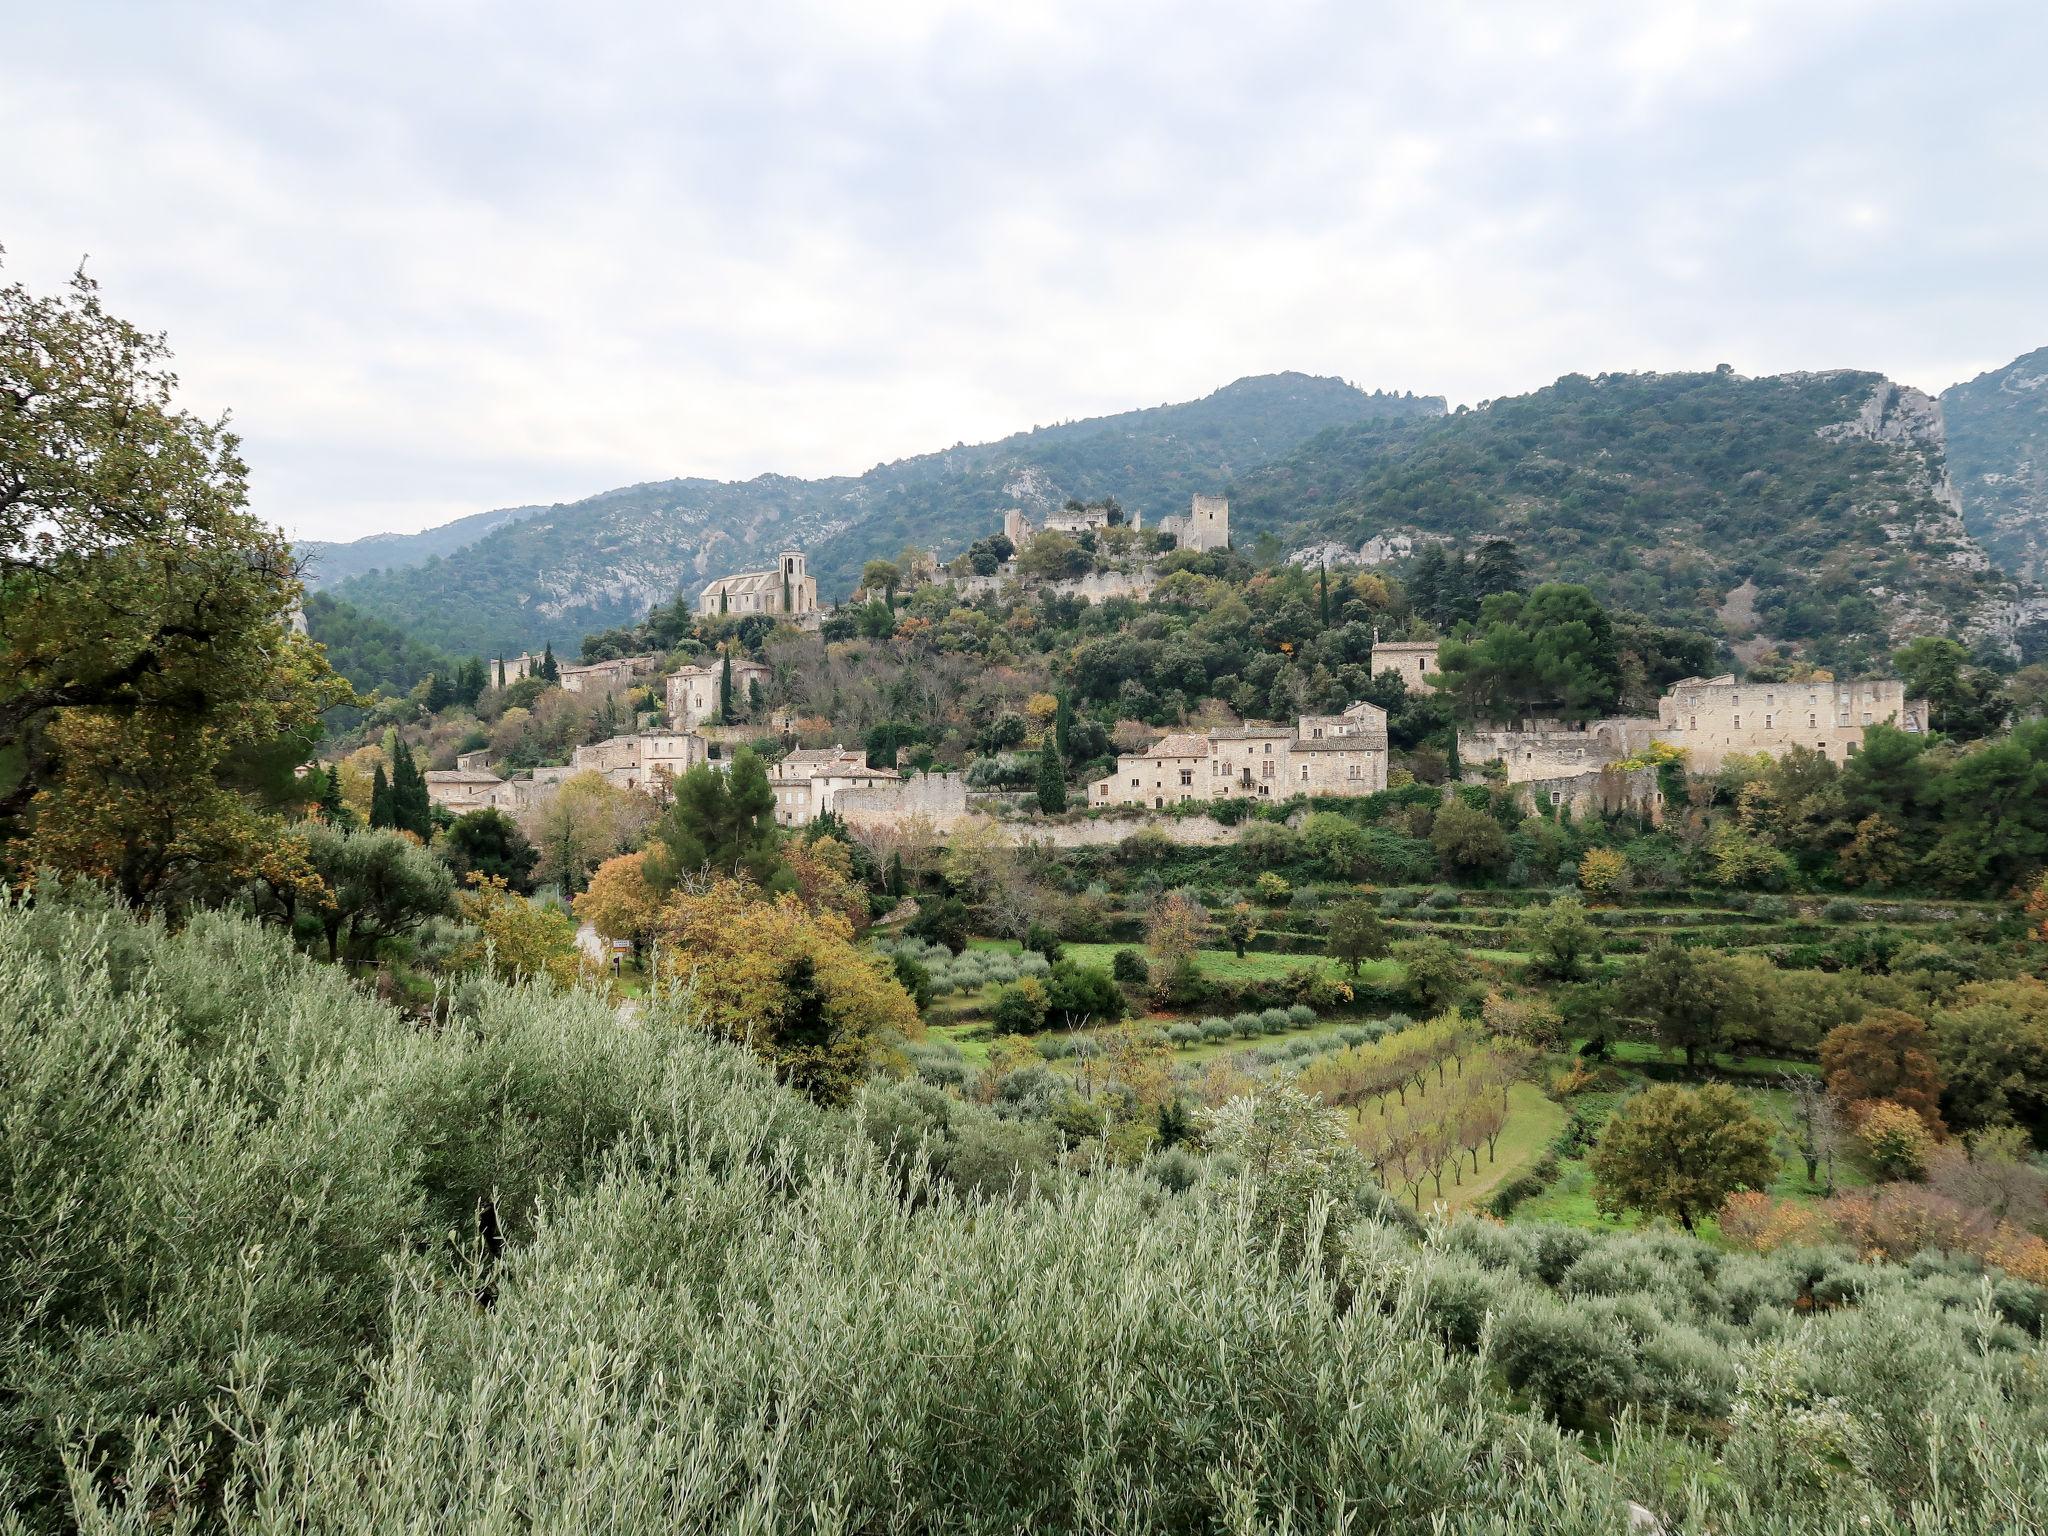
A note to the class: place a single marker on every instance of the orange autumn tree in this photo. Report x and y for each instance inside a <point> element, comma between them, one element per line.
<point>786,982</point>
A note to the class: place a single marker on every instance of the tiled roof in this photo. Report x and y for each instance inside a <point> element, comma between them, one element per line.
<point>461,776</point>
<point>1181,745</point>
<point>1407,645</point>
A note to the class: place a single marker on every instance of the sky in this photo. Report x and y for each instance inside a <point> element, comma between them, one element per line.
<point>446,255</point>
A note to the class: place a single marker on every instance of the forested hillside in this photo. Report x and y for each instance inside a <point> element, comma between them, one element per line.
<point>327,563</point>
<point>604,561</point>
<point>1666,492</point>
<point>1998,446</point>
<point>372,655</point>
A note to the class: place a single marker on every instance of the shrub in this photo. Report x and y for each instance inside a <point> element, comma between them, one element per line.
<point>1184,1034</point>
<point>1020,1008</point>
<point>1842,910</point>
<point>1300,1015</point>
<point>1245,1025</point>
<point>1129,967</point>
<point>1274,1020</point>
<point>1563,1358</point>
<point>1270,887</point>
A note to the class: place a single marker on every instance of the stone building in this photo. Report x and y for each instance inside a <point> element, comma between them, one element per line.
<point>615,673</point>
<point>788,591</point>
<point>1413,660</point>
<point>1321,755</point>
<point>1206,525</point>
<point>1019,529</point>
<point>462,789</point>
<point>1714,718</point>
<point>1711,718</point>
<point>692,691</point>
<point>648,761</point>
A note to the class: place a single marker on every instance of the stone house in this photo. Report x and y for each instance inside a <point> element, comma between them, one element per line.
<point>648,761</point>
<point>614,673</point>
<point>1413,660</point>
<point>788,591</point>
<point>1343,754</point>
<point>462,789</point>
<point>504,671</point>
<point>692,691</point>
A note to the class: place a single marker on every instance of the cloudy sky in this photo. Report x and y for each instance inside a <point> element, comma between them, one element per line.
<point>438,257</point>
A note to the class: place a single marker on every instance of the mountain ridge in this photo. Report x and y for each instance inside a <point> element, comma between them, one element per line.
<point>591,564</point>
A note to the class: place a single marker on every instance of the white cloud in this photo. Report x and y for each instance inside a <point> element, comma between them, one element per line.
<point>445,257</point>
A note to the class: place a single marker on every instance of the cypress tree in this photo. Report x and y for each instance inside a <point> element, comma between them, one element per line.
<point>1052,779</point>
<point>500,673</point>
<point>380,799</point>
<point>332,810</point>
<point>411,810</point>
<point>1323,595</point>
<point>725,690</point>
<point>1063,729</point>
<point>896,875</point>
<point>548,668</point>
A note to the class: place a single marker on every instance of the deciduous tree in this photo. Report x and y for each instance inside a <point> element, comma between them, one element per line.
<point>1679,1152</point>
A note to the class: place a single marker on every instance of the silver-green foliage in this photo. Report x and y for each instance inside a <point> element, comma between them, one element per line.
<point>274,1258</point>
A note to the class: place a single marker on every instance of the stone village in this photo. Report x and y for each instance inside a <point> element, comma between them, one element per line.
<point>1582,766</point>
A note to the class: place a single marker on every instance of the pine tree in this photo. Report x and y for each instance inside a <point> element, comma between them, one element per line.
<point>380,799</point>
<point>1052,779</point>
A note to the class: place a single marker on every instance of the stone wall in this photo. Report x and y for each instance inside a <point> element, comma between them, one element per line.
<point>1604,791</point>
<point>1107,831</point>
<point>1553,750</point>
<point>941,797</point>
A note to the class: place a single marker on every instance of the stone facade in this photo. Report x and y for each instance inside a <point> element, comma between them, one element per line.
<point>806,781</point>
<point>462,789</point>
<point>1206,525</point>
<point>507,670</point>
<point>788,591</point>
<point>939,798</point>
<point>692,692</point>
<point>1546,749</point>
<point>1321,755</point>
<point>1413,660</point>
<point>615,673</point>
<point>649,761</point>
<point>1604,791</point>
<point>1714,718</point>
<point>1711,719</point>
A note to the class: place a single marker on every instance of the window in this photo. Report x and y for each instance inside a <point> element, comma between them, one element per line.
<point>1136,785</point>
<point>1187,776</point>
<point>1852,749</point>
<point>1557,797</point>
<point>1866,717</point>
<point>1354,773</point>
<point>1304,773</point>
<point>1692,722</point>
<point>1265,770</point>
<point>1770,722</point>
<point>1316,734</point>
<point>1269,749</point>
<point>1738,722</point>
<point>1812,720</point>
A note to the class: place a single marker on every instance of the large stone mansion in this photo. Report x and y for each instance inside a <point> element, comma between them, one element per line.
<point>1319,755</point>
